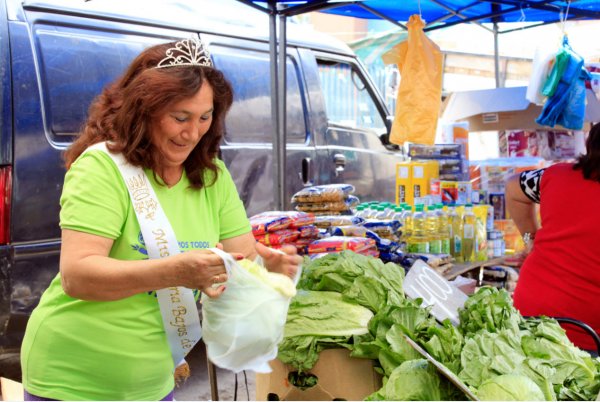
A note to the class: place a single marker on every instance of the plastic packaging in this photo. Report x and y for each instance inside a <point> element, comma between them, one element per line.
<point>242,327</point>
<point>278,237</point>
<point>263,224</point>
<point>326,221</point>
<point>340,243</point>
<point>468,234</point>
<point>323,193</point>
<point>297,218</point>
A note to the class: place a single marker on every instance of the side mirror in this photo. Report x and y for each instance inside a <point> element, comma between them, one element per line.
<point>385,140</point>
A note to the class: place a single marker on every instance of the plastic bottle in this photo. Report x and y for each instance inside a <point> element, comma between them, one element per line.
<point>432,225</point>
<point>407,219</point>
<point>418,242</point>
<point>468,238</point>
<point>360,211</point>
<point>381,213</point>
<point>371,211</point>
<point>456,229</point>
<point>444,229</point>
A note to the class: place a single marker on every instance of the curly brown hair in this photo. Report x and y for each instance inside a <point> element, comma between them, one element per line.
<point>589,164</point>
<point>122,113</point>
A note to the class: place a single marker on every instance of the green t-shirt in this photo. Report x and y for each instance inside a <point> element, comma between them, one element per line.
<point>117,350</point>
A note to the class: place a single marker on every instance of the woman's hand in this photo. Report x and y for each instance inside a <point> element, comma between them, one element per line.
<point>204,270</point>
<point>286,263</point>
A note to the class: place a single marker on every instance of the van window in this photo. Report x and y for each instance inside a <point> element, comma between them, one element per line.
<point>347,100</point>
<point>75,66</point>
<point>249,120</point>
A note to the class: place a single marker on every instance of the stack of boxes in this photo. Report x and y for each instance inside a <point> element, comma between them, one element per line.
<point>442,167</point>
<point>413,179</point>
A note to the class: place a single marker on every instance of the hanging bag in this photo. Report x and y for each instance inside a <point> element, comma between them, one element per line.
<point>244,325</point>
<point>419,98</point>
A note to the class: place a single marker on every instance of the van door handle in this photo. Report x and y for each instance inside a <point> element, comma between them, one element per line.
<point>306,174</point>
<point>340,163</point>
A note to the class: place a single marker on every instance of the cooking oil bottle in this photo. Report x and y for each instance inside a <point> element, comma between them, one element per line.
<point>407,219</point>
<point>432,226</point>
<point>468,238</point>
<point>444,229</point>
<point>456,228</point>
<point>418,242</point>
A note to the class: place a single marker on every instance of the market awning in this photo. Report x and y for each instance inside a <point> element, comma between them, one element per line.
<point>444,13</point>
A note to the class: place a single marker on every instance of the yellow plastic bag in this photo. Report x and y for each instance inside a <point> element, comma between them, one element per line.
<point>419,98</point>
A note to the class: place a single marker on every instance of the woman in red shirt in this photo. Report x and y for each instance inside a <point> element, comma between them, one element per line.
<point>561,275</point>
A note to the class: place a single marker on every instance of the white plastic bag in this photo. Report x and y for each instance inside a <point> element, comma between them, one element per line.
<point>242,327</point>
<point>542,61</point>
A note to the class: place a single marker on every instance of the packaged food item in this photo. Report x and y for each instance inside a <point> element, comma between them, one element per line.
<point>308,232</point>
<point>352,231</point>
<point>278,237</point>
<point>326,221</point>
<point>341,243</point>
<point>334,206</point>
<point>437,151</point>
<point>297,218</point>
<point>497,200</point>
<point>384,228</point>
<point>448,191</point>
<point>323,193</point>
<point>263,224</point>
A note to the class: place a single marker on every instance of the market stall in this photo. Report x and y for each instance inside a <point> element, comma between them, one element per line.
<point>361,252</point>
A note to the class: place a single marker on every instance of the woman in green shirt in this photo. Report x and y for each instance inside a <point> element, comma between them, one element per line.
<point>98,332</point>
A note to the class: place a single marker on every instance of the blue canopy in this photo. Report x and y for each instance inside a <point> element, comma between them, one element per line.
<point>443,13</point>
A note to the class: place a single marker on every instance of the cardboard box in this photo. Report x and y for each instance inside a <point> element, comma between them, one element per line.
<point>340,377</point>
<point>403,183</point>
<point>421,174</point>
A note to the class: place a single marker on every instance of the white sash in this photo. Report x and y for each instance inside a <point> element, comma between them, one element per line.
<point>177,304</point>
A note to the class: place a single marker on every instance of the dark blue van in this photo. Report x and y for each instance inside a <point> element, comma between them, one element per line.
<point>57,55</point>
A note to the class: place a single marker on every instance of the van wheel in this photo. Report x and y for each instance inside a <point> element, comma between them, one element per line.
<point>10,366</point>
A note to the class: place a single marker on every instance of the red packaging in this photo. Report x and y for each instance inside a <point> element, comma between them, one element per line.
<point>341,243</point>
<point>297,218</point>
<point>264,224</point>
<point>278,237</point>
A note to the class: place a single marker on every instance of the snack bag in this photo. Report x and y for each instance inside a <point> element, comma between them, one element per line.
<point>323,193</point>
<point>297,218</point>
<point>279,237</point>
<point>263,224</point>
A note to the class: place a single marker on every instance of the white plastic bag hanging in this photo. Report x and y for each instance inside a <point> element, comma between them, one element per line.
<point>242,327</point>
<point>540,68</point>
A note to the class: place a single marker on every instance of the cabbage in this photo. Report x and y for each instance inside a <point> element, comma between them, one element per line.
<point>280,282</point>
<point>510,387</point>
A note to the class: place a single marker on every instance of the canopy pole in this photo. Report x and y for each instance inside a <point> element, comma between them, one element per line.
<point>282,104</point>
<point>496,57</point>
<point>276,163</point>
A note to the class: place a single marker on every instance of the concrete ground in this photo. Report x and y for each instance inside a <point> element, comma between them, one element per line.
<point>197,386</point>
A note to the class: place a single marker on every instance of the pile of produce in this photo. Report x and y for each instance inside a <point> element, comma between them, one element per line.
<point>355,301</point>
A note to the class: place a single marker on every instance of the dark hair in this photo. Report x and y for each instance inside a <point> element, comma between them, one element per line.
<point>123,112</point>
<point>589,163</point>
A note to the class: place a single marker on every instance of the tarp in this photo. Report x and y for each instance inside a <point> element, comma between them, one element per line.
<point>443,13</point>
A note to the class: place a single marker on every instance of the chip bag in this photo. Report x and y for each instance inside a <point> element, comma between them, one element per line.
<point>243,326</point>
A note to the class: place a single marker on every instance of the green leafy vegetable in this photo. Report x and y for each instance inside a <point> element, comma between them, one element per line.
<point>510,387</point>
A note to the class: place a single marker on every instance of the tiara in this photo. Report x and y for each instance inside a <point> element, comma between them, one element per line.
<point>187,52</point>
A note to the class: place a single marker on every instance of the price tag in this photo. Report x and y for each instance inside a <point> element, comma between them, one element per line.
<point>422,281</point>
